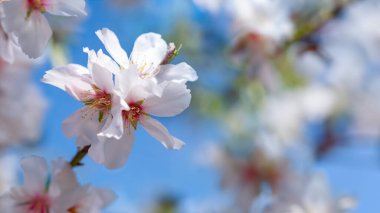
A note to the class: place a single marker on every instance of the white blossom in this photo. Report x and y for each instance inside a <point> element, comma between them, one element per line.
<point>149,87</point>
<point>308,194</point>
<point>144,85</point>
<point>55,192</point>
<point>26,20</point>
<point>19,94</point>
<point>94,87</point>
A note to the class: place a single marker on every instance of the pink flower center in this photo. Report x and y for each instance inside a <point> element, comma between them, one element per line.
<point>101,100</point>
<point>134,114</point>
<point>39,204</point>
<point>36,5</point>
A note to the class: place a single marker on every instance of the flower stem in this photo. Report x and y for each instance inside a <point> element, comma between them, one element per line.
<point>76,160</point>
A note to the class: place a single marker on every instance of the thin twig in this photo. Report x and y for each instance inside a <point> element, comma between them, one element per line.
<point>76,160</point>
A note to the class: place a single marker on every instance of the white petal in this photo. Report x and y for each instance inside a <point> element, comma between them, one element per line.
<point>174,100</point>
<point>101,59</point>
<point>14,15</point>
<point>111,152</point>
<point>148,52</point>
<point>35,173</point>
<point>112,45</point>
<point>63,179</point>
<point>34,35</point>
<point>103,198</point>
<point>66,7</point>
<point>132,87</point>
<point>158,131</point>
<point>102,77</point>
<point>114,126</point>
<point>83,123</point>
<point>71,78</point>
<point>7,46</point>
<point>179,73</point>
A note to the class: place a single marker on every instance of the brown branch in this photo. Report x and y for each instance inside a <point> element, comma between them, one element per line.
<point>76,160</point>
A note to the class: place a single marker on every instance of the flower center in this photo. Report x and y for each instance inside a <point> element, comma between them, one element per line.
<point>100,100</point>
<point>36,5</point>
<point>134,113</point>
<point>39,204</point>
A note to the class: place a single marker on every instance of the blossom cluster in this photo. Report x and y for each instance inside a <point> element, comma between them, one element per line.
<point>121,92</point>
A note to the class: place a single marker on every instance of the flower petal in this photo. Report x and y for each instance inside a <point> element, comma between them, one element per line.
<point>114,126</point>
<point>174,100</point>
<point>148,52</point>
<point>66,7</point>
<point>112,45</point>
<point>35,173</point>
<point>71,78</point>
<point>158,131</point>
<point>34,35</point>
<point>111,152</point>
<point>102,77</point>
<point>101,59</point>
<point>13,18</point>
<point>83,123</point>
<point>63,179</point>
<point>180,73</point>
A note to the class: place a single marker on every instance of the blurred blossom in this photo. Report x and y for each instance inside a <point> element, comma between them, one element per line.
<point>288,114</point>
<point>270,19</point>
<point>245,174</point>
<point>19,94</point>
<point>308,194</point>
<point>55,192</point>
<point>347,63</point>
<point>213,6</point>
<point>8,174</point>
<point>26,20</point>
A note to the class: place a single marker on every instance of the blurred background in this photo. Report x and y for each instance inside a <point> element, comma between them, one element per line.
<point>284,117</point>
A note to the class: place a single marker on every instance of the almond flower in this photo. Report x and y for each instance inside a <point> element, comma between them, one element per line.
<point>151,55</point>
<point>58,192</point>
<point>150,86</point>
<point>26,20</point>
<point>94,87</point>
<point>143,85</point>
<point>113,150</point>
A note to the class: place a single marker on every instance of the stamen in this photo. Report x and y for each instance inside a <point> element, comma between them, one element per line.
<point>134,114</point>
<point>35,5</point>
<point>97,101</point>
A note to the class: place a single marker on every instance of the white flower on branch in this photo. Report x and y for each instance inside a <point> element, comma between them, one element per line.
<point>144,84</point>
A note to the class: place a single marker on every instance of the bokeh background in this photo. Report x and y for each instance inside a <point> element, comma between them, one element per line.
<point>289,91</point>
